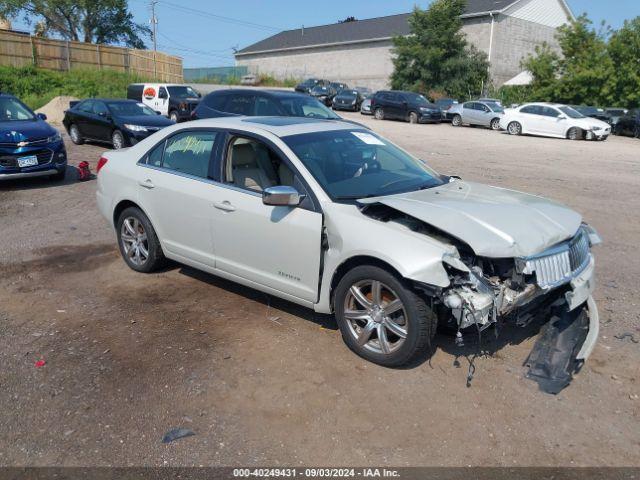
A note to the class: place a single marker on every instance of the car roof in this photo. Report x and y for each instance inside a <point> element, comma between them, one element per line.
<point>266,91</point>
<point>278,126</point>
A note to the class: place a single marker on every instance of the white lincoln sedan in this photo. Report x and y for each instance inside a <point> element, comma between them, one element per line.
<point>553,120</point>
<point>334,217</point>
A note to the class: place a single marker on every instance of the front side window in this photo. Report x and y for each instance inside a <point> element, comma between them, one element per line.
<point>415,98</point>
<point>182,91</point>
<point>86,106</point>
<point>100,108</point>
<point>11,109</point>
<point>266,107</point>
<point>357,164</point>
<point>571,112</point>
<point>550,112</point>
<point>252,165</point>
<point>130,109</point>
<point>189,153</point>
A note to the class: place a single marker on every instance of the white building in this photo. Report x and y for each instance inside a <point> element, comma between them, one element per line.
<point>360,52</point>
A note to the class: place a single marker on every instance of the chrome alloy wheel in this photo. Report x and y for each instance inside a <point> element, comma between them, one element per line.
<point>376,316</point>
<point>134,241</point>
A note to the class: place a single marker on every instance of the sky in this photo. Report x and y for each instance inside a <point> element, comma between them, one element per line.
<point>205,32</point>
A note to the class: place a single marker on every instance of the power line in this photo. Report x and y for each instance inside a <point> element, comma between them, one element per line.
<point>190,48</point>
<point>220,18</point>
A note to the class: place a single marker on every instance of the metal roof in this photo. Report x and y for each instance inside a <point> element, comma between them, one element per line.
<point>360,30</point>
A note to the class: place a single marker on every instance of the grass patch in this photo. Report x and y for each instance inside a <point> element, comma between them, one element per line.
<point>36,87</point>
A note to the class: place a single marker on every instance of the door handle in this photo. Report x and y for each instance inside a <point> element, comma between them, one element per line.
<point>225,206</point>
<point>147,184</point>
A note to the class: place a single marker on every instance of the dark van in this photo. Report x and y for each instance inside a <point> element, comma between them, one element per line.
<point>408,106</point>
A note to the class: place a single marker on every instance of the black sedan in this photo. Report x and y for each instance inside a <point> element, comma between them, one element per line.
<point>348,100</point>
<point>594,112</point>
<point>629,124</point>
<point>324,94</point>
<point>122,123</point>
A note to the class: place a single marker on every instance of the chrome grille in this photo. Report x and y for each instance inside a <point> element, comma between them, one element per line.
<point>560,264</point>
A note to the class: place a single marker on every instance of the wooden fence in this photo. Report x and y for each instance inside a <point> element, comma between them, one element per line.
<point>19,50</point>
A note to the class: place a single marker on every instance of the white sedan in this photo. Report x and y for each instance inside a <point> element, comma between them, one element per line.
<point>553,120</point>
<point>331,216</point>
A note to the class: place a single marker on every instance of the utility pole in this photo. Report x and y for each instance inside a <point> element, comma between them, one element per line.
<point>154,27</point>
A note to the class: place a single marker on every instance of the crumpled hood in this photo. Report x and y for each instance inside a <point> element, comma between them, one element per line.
<point>494,222</point>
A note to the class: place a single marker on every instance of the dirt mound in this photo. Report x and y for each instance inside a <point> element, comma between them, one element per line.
<point>54,110</point>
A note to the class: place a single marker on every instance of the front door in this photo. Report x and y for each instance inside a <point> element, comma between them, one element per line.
<point>177,194</point>
<point>277,247</point>
<point>102,124</point>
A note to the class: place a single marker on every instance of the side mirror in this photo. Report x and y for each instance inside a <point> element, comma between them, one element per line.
<point>158,112</point>
<point>281,195</point>
<point>562,117</point>
<point>163,95</point>
<point>41,116</point>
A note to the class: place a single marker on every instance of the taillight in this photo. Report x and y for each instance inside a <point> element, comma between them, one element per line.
<point>101,163</point>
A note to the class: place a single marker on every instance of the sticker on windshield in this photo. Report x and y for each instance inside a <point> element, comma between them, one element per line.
<point>368,138</point>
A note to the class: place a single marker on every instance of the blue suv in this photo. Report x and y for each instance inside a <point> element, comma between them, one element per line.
<point>29,146</point>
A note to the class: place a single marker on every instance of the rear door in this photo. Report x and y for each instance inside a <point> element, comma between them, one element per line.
<point>276,247</point>
<point>177,192</point>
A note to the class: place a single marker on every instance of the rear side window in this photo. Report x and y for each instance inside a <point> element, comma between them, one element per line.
<point>215,101</point>
<point>189,153</point>
<point>531,109</point>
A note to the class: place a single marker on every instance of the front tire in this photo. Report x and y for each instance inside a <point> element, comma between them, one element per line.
<point>378,114</point>
<point>173,116</point>
<point>413,117</point>
<point>381,319</point>
<point>495,124</point>
<point>575,133</point>
<point>456,121</point>
<point>514,128</point>
<point>117,139</point>
<point>138,242</point>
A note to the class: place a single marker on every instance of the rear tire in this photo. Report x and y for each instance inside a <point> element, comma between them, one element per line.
<point>138,242</point>
<point>414,322</point>
<point>456,121</point>
<point>575,133</point>
<point>378,114</point>
<point>514,128</point>
<point>75,135</point>
<point>636,133</point>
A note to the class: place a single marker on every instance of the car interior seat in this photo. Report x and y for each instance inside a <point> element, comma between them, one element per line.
<point>246,172</point>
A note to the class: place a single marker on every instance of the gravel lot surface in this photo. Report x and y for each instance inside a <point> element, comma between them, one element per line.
<point>263,382</point>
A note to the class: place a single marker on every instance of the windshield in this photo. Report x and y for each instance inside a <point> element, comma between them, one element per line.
<point>12,109</point>
<point>617,112</point>
<point>182,91</point>
<point>571,113</point>
<point>356,164</point>
<point>416,98</point>
<point>304,106</point>
<point>309,82</point>
<point>495,107</point>
<point>129,109</point>
<point>348,93</point>
<point>445,102</point>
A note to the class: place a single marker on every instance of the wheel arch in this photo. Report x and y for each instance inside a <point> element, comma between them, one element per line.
<point>121,206</point>
<point>357,261</point>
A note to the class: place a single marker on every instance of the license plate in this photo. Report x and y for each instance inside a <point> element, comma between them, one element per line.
<point>29,161</point>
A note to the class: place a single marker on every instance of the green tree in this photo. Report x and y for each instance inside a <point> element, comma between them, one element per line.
<point>624,50</point>
<point>96,21</point>
<point>582,72</point>
<point>436,56</point>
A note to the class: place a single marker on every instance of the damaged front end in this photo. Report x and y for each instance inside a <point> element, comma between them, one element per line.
<point>558,282</point>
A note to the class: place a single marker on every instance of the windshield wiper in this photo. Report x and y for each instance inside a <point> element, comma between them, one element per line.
<point>355,197</point>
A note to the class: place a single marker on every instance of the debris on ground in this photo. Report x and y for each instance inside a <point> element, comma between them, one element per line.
<point>176,434</point>
<point>40,363</point>
<point>626,335</point>
<point>54,110</point>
